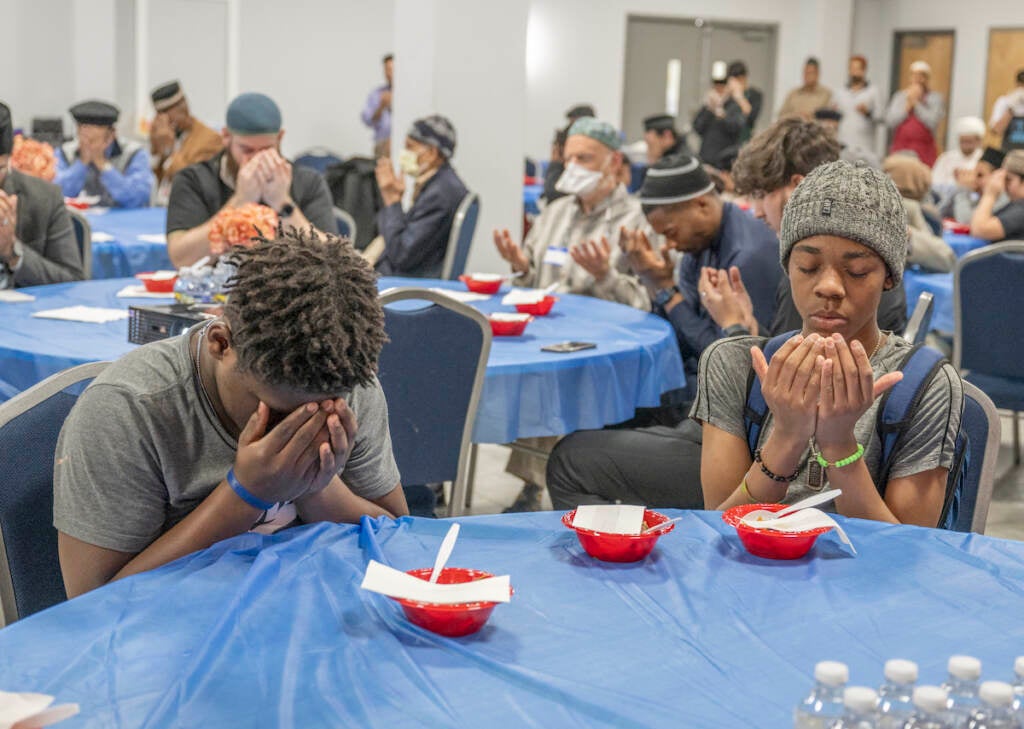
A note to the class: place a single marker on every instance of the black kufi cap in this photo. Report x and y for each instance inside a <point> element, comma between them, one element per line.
<point>6,129</point>
<point>97,113</point>
<point>674,179</point>
<point>660,123</point>
<point>993,156</point>
<point>167,95</point>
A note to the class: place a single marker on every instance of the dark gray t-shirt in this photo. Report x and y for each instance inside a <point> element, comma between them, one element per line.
<point>722,396</point>
<point>1012,218</point>
<point>142,448</point>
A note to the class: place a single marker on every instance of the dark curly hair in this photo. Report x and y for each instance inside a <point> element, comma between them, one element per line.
<point>790,146</point>
<point>304,312</point>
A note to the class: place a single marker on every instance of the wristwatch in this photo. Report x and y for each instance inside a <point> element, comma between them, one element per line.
<point>736,330</point>
<point>286,210</point>
<point>663,296</point>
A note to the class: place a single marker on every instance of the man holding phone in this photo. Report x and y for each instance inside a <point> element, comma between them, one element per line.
<point>268,416</point>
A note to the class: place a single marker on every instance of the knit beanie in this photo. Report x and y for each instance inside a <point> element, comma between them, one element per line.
<point>855,202</point>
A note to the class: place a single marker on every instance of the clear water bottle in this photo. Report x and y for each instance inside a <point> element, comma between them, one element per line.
<point>860,708</point>
<point>996,710</point>
<point>896,695</point>
<point>824,706</point>
<point>930,709</point>
<point>1018,688</point>
<point>962,687</point>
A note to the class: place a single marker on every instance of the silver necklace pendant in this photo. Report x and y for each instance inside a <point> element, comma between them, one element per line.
<point>815,475</point>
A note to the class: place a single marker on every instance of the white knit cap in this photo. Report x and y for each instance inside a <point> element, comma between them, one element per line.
<point>921,66</point>
<point>969,126</point>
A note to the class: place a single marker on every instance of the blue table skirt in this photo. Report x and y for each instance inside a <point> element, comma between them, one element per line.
<point>526,392</point>
<point>274,631</point>
<point>126,255</point>
<point>963,244</point>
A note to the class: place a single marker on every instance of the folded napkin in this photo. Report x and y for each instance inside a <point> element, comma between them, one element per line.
<point>10,296</point>
<point>609,518</point>
<point>153,238</point>
<point>800,521</point>
<point>394,583</point>
<point>100,237</point>
<point>91,314</point>
<point>523,296</point>
<point>28,711</point>
<point>465,297</point>
<point>139,292</point>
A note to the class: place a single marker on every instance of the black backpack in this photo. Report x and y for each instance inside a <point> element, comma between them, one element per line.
<point>1013,137</point>
<point>353,186</point>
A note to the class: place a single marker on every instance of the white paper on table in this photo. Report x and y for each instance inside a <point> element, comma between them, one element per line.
<point>464,296</point>
<point>139,292</point>
<point>523,296</point>
<point>153,238</point>
<point>802,521</point>
<point>100,237</point>
<point>28,711</point>
<point>395,583</point>
<point>10,296</point>
<point>91,314</point>
<point>609,518</point>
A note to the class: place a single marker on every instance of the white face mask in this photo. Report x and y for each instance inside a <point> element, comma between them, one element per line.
<point>408,163</point>
<point>578,180</point>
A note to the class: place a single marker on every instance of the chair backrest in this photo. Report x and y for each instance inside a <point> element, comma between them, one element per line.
<point>987,296</point>
<point>921,320</point>
<point>49,129</point>
<point>346,224</point>
<point>461,237</point>
<point>318,158</point>
<point>30,578</point>
<point>981,423</point>
<point>432,372</point>
<point>83,234</point>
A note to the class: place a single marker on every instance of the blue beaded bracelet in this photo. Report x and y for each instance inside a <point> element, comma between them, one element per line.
<point>244,494</point>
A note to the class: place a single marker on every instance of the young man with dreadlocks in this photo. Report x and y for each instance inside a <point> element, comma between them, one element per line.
<point>265,416</point>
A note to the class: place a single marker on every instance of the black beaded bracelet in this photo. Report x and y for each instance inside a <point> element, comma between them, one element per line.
<point>769,474</point>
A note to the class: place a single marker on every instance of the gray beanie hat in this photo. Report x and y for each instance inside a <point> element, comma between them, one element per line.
<point>855,202</point>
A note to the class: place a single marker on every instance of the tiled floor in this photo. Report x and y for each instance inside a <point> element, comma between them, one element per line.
<point>495,489</point>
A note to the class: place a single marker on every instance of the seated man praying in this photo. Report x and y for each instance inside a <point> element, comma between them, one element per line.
<point>268,415</point>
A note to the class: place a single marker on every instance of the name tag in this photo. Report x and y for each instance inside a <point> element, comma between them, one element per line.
<point>556,256</point>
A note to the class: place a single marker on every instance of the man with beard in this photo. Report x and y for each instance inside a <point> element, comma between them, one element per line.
<point>860,106</point>
<point>176,138</point>
<point>249,170</point>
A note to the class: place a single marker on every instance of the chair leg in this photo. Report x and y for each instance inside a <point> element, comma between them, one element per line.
<point>470,475</point>
<point>1016,438</point>
<point>462,484</point>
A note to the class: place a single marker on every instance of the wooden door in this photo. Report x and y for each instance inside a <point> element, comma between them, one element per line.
<point>1005,59</point>
<point>936,49</point>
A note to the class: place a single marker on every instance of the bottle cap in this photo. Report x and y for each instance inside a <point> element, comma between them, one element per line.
<point>831,673</point>
<point>861,699</point>
<point>996,693</point>
<point>965,668</point>
<point>1018,667</point>
<point>930,698</point>
<point>899,670</point>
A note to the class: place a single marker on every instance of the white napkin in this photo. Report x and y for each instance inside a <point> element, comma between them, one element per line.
<point>91,314</point>
<point>139,292</point>
<point>802,521</point>
<point>504,316</point>
<point>609,518</point>
<point>153,238</point>
<point>523,296</point>
<point>465,297</point>
<point>394,583</point>
<point>10,296</point>
<point>28,711</point>
<point>100,237</point>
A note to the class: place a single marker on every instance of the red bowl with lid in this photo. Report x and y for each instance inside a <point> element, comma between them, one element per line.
<point>482,283</point>
<point>538,308</point>
<point>158,282</point>
<point>509,325</point>
<point>769,543</point>
<point>451,620</point>
<point>619,547</point>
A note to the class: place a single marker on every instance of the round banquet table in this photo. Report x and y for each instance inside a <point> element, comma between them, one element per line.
<point>259,631</point>
<point>526,392</point>
<point>117,248</point>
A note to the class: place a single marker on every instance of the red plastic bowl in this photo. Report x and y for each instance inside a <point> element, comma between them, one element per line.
<point>619,547</point>
<point>162,285</point>
<point>767,543</point>
<point>507,328</point>
<point>481,286</point>
<point>954,226</point>
<point>538,308</point>
<point>451,620</point>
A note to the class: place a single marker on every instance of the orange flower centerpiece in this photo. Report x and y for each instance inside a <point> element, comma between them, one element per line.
<point>238,226</point>
<point>34,158</point>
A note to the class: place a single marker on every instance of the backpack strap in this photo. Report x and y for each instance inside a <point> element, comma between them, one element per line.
<point>756,408</point>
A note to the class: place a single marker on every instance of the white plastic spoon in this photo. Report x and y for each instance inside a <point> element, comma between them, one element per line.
<point>444,552</point>
<point>816,500</point>
<point>662,525</point>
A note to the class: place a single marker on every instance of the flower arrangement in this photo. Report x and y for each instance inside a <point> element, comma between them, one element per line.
<point>238,226</point>
<point>34,158</point>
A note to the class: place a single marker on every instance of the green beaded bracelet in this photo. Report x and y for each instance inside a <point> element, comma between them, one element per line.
<point>842,461</point>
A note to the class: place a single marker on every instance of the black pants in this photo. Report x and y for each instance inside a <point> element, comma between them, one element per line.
<point>657,466</point>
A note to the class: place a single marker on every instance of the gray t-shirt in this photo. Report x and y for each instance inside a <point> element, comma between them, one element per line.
<point>142,448</point>
<point>722,396</point>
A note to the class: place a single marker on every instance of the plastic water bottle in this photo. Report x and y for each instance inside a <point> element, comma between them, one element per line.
<point>930,709</point>
<point>1018,688</point>
<point>962,687</point>
<point>897,694</point>
<point>860,708</point>
<point>824,706</point>
<point>996,710</point>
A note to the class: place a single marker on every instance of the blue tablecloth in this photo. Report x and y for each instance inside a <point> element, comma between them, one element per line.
<point>126,254</point>
<point>531,197</point>
<point>940,285</point>
<point>526,392</point>
<point>963,244</point>
<point>274,631</point>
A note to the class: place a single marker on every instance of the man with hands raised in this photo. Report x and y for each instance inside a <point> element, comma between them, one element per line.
<point>267,416</point>
<point>249,170</point>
